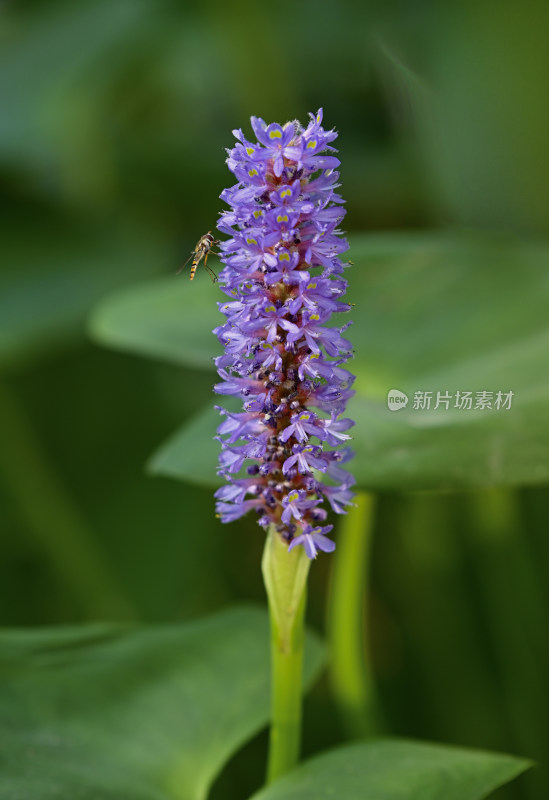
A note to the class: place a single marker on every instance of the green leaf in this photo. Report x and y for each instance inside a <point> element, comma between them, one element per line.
<point>53,55</point>
<point>396,770</point>
<point>448,315</point>
<point>191,454</point>
<point>436,314</point>
<point>168,318</point>
<point>144,713</point>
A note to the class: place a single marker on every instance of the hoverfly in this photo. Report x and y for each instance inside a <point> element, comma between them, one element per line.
<point>201,251</point>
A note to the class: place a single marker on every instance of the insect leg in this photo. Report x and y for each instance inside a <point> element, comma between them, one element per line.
<point>211,273</point>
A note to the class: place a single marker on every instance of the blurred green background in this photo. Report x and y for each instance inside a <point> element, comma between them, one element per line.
<point>114,119</point>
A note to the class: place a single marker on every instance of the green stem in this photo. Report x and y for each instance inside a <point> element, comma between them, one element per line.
<point>350,669</point>
<point>511,589</point>
<point>52,517</point>
<point>285,575</point>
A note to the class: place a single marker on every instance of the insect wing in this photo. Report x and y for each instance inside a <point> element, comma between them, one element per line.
<point>182,267</point>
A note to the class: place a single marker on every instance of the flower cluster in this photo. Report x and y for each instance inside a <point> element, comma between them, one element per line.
<point>282,275</point>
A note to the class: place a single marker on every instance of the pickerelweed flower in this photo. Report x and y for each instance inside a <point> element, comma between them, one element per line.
<point>282,274</point>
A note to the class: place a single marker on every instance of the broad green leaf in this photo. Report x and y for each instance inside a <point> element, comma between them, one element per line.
<point>168,318</point>
<point>443,316</point>
<point>434,313</point>
<point>191,454</point>
<point>396,770</point>
<point>147,713</point>
<point>53,275</point>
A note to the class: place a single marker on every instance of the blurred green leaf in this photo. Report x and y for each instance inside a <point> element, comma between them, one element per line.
<point>148,713</point>
<point>433,314</point>
<point>168,318</point>
<point>396,770</point>
<point>191,454</point>
<point>424,301</point>
<point>447,315</point>
<point>483,131</point>
<point>54,274</point>
<point>52,52</point>
<point>104,109</point>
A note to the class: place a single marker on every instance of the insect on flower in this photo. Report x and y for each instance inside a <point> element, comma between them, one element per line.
<point>201,251</point>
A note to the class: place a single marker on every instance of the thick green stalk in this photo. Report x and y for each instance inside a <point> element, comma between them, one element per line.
<point>350,670</point>
<point>511,589</point>
<point>285,575</point>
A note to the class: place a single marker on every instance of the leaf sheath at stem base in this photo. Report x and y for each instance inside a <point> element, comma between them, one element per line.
<point>285,575</point>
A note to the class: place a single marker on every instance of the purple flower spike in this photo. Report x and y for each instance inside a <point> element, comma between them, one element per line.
<point>282,276</point>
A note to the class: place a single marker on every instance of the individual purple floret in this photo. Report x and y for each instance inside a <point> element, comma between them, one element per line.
<point>282,275</point>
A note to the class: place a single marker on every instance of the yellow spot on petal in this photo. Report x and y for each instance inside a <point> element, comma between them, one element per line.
<point>286,193</point>
<point>251,241</point>
<point>250,150</point>
<point>311,286</point>
<point>252,172</point>
<point>292,497</point>
<point>284,257</point>
<point>270,308</point>
<point>275,135</point>
<point>315,317</point>
<point>258,214</point>
<point>311,145</point>
<point>305,416</point>
<point>282,218</point>
<point>313,355</point>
